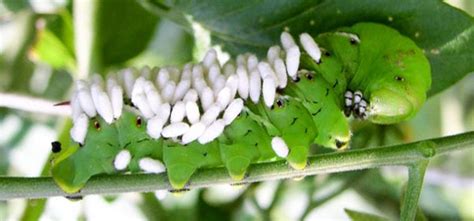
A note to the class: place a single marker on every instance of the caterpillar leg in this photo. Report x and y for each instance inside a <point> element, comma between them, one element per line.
<point>182,161</point>
<point>356,104</point>
<point>245,142</point>
<point>237,158</point>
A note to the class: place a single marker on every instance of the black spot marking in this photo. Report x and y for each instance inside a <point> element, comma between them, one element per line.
<point>315,102</point>
<point>280,102</point>
<point>306,130</point>
<point>138,122</point>
<point>204,154</point>
<point>128,101</point>
<point>309,76</point>
<point>340,144</point>
<point>327,92</point>
<point>280,91</point>
<point>74,198</point>
<point>110,144</point>
<point>347,111</point>
<point>353,41</point>
<point>142,140</point>
<point>335,84</point>
<point>242,183</point>
<point>247,133</point>
<point>272,107</point>
<point>179,190</point>
<point>294,121</point>
<point>81,145</point>
<point>97,125</point>
<point>256,144</point>
<point>317,112</point>
<point>56,147</point>
<point>399,78</point>
<point>127,144</point>
<point>327,54</point>
<point>319,61</point>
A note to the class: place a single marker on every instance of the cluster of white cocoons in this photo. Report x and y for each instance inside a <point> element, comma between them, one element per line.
<point>194,103</point>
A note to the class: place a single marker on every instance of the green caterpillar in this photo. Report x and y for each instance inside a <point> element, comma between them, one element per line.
<point>252,112</point>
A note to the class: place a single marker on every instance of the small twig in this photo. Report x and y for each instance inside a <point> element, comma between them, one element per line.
<point>32,104</point>
<point>416,174</point>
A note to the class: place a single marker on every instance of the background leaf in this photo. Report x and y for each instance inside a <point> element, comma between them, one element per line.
<point>446,33</point>
<point>360,216</point>
<point>123,30</point>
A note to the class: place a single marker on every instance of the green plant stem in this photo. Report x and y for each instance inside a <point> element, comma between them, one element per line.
<point>404,154</point>
<point>416,173</point>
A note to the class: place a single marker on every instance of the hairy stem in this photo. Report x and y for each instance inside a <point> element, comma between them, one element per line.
<point>404,154</point>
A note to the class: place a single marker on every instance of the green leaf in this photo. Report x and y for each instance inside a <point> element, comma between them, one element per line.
<point>54,43</point>
<point>446,33</point>
<point>51,50</point>
<point>123,30</point>
<point>360,216</point>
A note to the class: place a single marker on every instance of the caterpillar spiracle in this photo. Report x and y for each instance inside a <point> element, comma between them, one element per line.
<point>246,111</point>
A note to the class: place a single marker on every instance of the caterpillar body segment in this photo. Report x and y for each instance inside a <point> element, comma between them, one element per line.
<point>245,141</point>
<point>324,106</point>
<point>292,122</point>
<point>246,111</point>
<point>182,161</point>
<point>132,136</point>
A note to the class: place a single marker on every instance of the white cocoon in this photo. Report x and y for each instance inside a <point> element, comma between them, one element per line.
<point>233,110</point>
<point>194,132</point>
<point>178,112</point>
<point>191,95</point>
<point>224,97</point>
<point>210,58</point>
<point>243,86</point>
<point>287,41</point>
<point>310,46</point>
<point>155,126</point>
<point>192,112</point>
<point>280,71</point>
<point>255,86</point>
<point>273,53</point>
<point>122,159</point>
<point>86,103</point>
<point>168,91</point>
<point>150,165</point>
<point>212,132</point>
<point>163,77</point>
<point>207,98</point>
<point>79,130</point>
<point>175,129</point>
<point>252,62</point>
<point>269,90</point>
<point>211,114</point>
<point>293,60</point>
<point>280,147</point>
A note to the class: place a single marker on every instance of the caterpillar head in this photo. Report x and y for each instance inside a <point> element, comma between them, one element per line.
<point>401,92</point>
<point>393,73</point>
